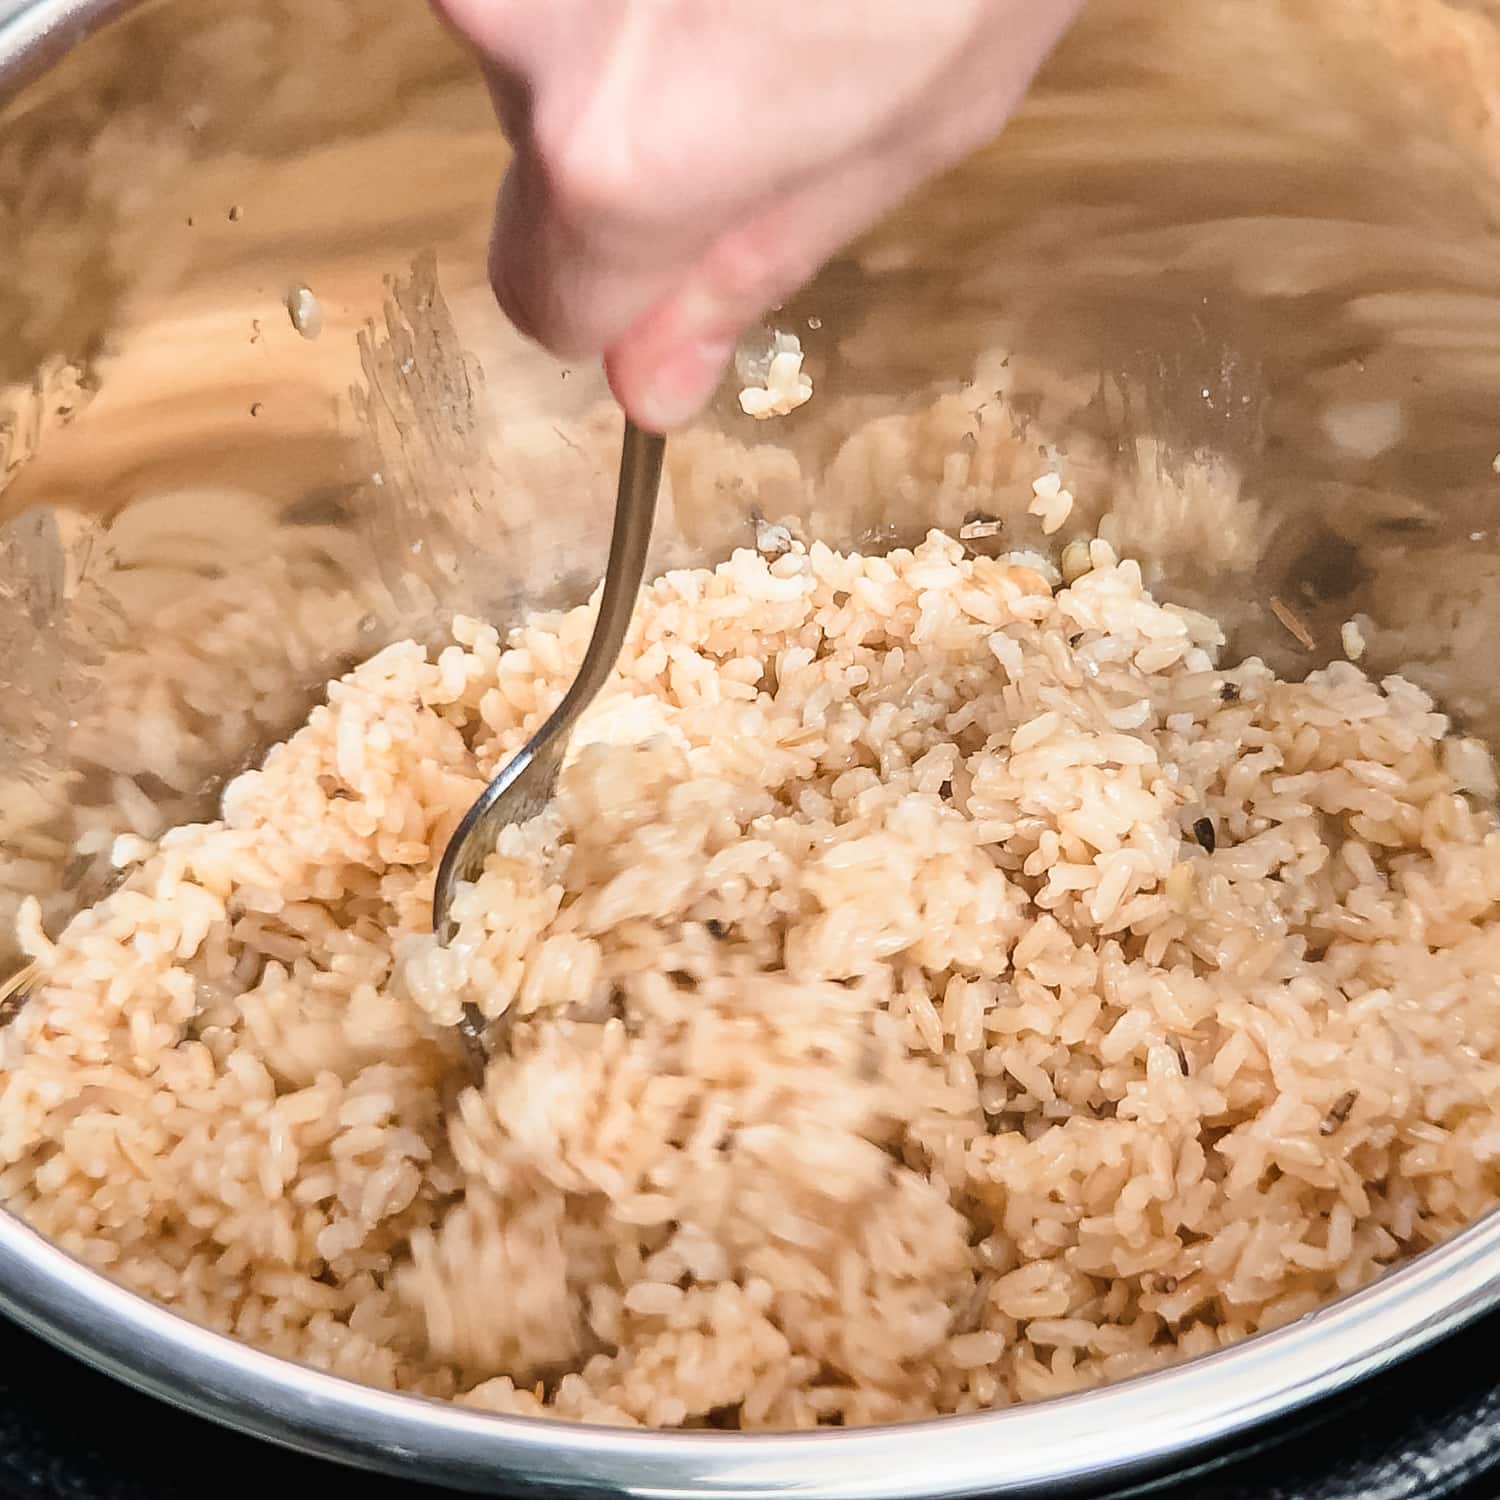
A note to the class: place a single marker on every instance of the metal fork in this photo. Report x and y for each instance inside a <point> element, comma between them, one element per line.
<point>527,782</point>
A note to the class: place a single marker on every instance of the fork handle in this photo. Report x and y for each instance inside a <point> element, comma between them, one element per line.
<point>641,458</point>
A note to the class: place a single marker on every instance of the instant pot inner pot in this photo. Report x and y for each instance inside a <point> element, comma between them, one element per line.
<point>1235,272</point>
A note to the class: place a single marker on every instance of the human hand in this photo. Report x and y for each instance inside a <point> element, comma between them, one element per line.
<point>682,165</point>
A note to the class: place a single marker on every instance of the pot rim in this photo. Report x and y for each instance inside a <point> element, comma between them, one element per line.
<point>1123,1431</point>
<point>35,34</point>
<point>1126,1431</point>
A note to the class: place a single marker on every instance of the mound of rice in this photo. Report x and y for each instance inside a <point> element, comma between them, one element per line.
<point>936,986</point>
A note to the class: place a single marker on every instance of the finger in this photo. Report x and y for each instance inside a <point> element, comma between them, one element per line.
<point>575,284</point>
<point>666,366</point>
<point>669,362</point>
<point>569,278</point>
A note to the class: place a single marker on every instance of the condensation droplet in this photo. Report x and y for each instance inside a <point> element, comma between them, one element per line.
<point>305,311</point>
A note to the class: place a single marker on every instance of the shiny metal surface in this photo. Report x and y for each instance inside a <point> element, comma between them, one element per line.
<point>1236,268</point>
<point>527,781</point>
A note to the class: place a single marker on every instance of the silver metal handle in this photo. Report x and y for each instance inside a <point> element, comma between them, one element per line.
<point>635,511</point>
<point>524,785</point>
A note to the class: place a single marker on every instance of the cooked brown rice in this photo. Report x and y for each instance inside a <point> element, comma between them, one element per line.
<point>936,986</point>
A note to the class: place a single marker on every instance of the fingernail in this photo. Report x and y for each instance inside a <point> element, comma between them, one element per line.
<point>682,384</point>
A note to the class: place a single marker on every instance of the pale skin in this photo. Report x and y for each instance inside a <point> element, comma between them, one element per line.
<point>681,166</point>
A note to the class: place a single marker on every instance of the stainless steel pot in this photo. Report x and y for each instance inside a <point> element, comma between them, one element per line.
<point>1251,245</point>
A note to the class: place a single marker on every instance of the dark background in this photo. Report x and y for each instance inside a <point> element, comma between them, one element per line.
<point>1430,1428</point>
